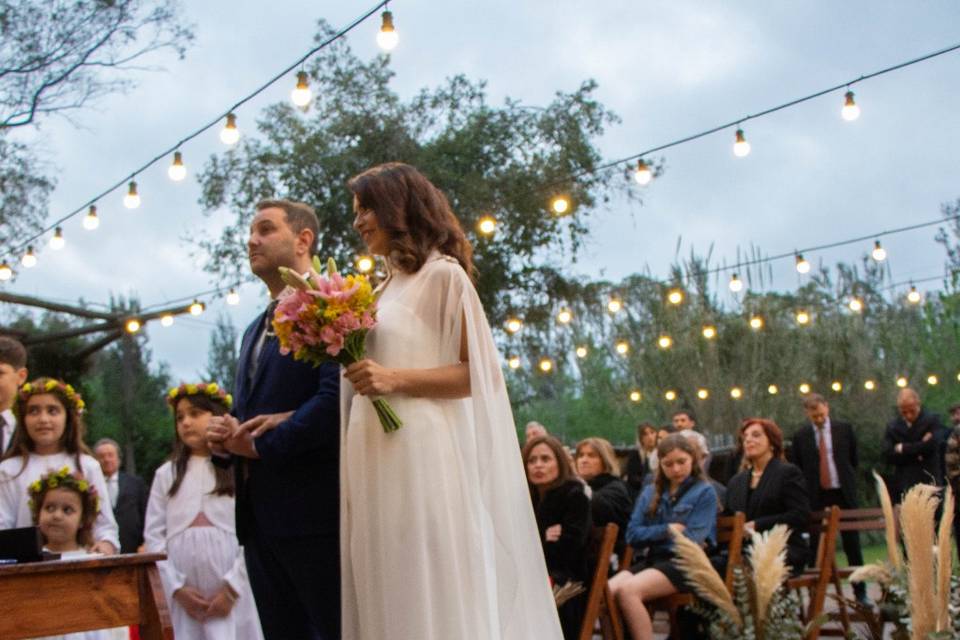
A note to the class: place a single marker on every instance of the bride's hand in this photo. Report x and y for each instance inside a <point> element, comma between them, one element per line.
<point>369,378</point>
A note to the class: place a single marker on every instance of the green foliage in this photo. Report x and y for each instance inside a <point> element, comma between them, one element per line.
<point>222,354</point>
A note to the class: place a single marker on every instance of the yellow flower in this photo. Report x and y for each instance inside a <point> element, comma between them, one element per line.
<point>212,387</point>
<point>50,385</point>
<point>35,486</point>
<point>81,405</point>
<point>82,485</point>
<point>229,399</point>
<point>53,482</point>
<point>64,471</point>
<point>27,388</point>
<point>191,389</point>
<point>70,389</point>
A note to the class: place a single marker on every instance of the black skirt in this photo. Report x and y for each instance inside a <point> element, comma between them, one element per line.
<point>664,562</point>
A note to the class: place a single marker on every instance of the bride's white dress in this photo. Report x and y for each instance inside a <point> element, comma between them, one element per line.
<point>439,540</point>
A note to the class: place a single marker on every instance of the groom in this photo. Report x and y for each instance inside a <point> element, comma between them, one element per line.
<point>283,443</point>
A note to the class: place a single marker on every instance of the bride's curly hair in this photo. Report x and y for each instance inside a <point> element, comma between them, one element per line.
<point>415,215</point>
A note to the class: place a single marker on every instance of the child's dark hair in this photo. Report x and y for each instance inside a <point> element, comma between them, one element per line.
<point>12,352</point>
<point>181,452</point>
<point>75,482</point>
<point>72,439</point>
<point>669,444</point>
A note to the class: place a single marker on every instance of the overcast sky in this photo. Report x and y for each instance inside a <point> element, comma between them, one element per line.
<point>668,69</point>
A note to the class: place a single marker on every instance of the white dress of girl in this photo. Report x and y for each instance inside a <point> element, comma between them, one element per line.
<point>202,557</point>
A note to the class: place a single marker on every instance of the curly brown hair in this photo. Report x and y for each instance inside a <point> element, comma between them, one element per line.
<point>414,214</point>
<point>75,483</point>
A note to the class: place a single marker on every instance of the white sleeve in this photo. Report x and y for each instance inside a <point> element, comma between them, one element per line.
<point>9,499</point>
<point>105,526</point>
<point>236,577</point>
<point>155,528</point>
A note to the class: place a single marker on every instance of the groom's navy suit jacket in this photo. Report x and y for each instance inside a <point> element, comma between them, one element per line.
<point>293,489</point>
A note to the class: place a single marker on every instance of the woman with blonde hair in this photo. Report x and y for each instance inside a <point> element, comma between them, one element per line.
<point>610,499</point>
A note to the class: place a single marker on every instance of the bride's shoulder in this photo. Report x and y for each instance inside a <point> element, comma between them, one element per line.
<point>443,267</point>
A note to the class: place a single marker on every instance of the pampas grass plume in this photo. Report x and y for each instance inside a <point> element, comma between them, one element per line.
<point>916,517</point>
<point>944,561</point>
<point>768,559</point>
<point>893,548</point>
<point>704,579</point>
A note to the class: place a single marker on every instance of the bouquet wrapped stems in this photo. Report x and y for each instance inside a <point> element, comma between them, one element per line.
<point>354,349</point>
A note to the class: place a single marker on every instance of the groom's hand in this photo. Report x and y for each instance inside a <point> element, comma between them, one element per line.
<point>258,425</point>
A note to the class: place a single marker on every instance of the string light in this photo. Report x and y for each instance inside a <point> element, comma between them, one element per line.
<point>703,394</point>
<point>166,320</point>
<point>196,308</point>
<point>870,385</point>
<point>230,134</point>
<point>635,396</point>
<point>5,271</point>
<point>57,241</point>
<point>670,395</point>
<point>177,171</point>
<point>233,298</point>
<point>132,199</point>
<point>623,347</point>
<point>856,305</point>
<point>675,296</point>
<point>387,37</point>
<point>614,305</point>
<point>736,393</point>
<point>773,389</point>
<point>665,342</point>
<point>709,332</point>
<point>546,365</point>
<point>581,352</point>
<point>514,362</point>
<point>365,264</point>
<point>565,316</point>
<point>741,147</point>
<point>914,297</point>
<point>514,325</point>
<point>932,380</point>
<point>736,284</point>
<point>487,225</point>
<point>850,110</point>
<point>837,386</point>
<point>560,205</point>
<point>132,325</point>
<point>643,175</point>
<point>803,318</point>
<point>901,382</point>
<point>804,388</point>
<point>29,259</point>
<point>879,253</point>
<point>803,265</point>
<point>756,323</point>
<point>91,221</point>
<point>301,94</point>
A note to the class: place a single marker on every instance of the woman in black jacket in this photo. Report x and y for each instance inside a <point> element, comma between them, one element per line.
<point>641,463</point>
<point>609,497</point>
<point>562,509</point>
<point>771,491</point>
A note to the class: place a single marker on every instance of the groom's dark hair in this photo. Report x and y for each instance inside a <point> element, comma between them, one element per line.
<point>299,216</point>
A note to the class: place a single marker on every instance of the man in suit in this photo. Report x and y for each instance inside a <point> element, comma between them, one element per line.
<point>13,373</point>
<point>826,452</point>
<point>128,495</point>
<point>283,441</point>
<point>912,445</point>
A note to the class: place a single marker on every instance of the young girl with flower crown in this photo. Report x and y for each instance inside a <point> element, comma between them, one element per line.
<point>190,517</point>
<point>49,411</point>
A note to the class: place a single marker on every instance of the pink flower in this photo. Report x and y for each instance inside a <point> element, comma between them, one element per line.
<point>332,339</point>
<point>367,321</point>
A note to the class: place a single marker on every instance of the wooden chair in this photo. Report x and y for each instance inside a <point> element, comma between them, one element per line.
<point>729,533</point>
<point>824,524</point>
<point>602,541</point>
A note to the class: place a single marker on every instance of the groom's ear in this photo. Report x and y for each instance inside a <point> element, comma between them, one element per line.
<point>304,243</point>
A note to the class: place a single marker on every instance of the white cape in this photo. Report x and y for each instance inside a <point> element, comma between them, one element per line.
<point>438,535</point>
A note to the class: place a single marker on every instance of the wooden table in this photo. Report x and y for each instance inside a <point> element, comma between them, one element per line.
<point>62,596</point>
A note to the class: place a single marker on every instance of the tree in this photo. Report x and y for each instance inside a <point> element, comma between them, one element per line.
<point>222,354</point>
<point>24,192</point>
<point>505,161</point>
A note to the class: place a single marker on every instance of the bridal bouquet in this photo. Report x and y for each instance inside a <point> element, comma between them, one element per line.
<point>325,318</point>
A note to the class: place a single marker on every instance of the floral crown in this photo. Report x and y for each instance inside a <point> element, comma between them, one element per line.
<point>63,479</point>
<point>210,389</point>
<point>52,385</point>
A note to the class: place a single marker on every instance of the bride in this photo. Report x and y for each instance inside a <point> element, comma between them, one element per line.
<point>438,536</point>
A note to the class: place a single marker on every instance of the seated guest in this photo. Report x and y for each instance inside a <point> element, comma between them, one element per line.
<point>562,509</point>
<point>532,430</point>
<point>770,491</point>
<point>609,500</point>
<point>679,500</point>
<point>639,467</point>
<point>700,446</point>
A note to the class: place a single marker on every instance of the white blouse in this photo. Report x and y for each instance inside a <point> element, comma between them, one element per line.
<point>15,498</point>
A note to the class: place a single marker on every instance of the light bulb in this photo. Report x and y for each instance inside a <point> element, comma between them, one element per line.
<point>57,241</point>
<point>387,37</point>
<point>614,305</point>
<point>932,380</point>
<point>565,316</point>
<point>736,393</point>
<point>233,298</point>
<point>365,264</point>
<point>487,225</point>
<point>703,394</point>
<point>675,296</point>
<point>643,175</point>
<point>901,382</point>
<point>670,395</point>
<point>177,171</point>
<point>837,386</point>
<point>514,325</point>
<point>91,221</point>
<point>301,94</point>
<point>879,253</point>
<point>709,332</point>
<point>804,388</point>
<point>132,326</point>
<point>803,265</point>
<point>166,320</point>
<point>756,323</point>
<point>870,385</point>
<point>856,305</point>
<point>773,389</point>
<point>850,110</point>
<point>5,271</point>
<point>29,259</point>
<point>635,396</point>
<point>230,134</point>
<point>741,147</point>
<point>914,297</point>
<point>623,347</point>
<point>803,318</point>
<point>196,308</point>
<point>736,284</point>
<point>546,365</point>
<point>560,205</point>
<point>665,342</point>
<point>581,352</point>
<point>132,199</point>
<point>514,362</point>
